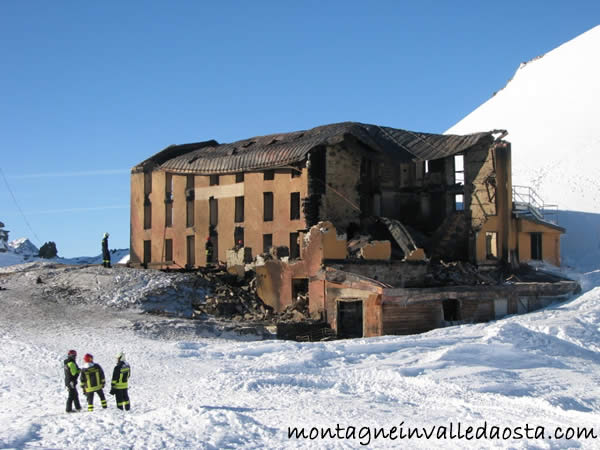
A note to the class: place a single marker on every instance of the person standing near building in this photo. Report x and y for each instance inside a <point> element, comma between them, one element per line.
<point>105,251</point>
<point>71,375</point>
<point>120,382</point>
<point>92,380</point>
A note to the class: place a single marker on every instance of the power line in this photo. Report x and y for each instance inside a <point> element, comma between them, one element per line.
<point>39,242</point>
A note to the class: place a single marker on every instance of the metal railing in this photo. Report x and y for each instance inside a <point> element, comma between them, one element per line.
<point>525,198</point>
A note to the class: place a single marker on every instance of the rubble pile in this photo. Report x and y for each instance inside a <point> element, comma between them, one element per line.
<point>460,273</point>
<point>229,297</point>
<point>297,311</point>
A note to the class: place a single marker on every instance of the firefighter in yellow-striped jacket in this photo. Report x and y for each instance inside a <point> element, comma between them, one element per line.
<point>120,382</point>
<point>92,380</point>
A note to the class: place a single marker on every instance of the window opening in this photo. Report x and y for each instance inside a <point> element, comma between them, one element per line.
<point>169,214</point>
<point>169,187</point>
<point>189,213</point>
<point>147,257</point>
<point>268,206</point>
<point>491,245</point>
<point>267,242</point>
<point>239,209</point>
<point>238,237</point>
<point>459,170</point>
<point>189,182</point>
<point>210,248</point>
<point>459,204</point>
<point>147,182</point>
<point>147,215</point>
<point>294,246</point>
<point>213,206</point>
<point>191,251</point>
<point>169,250</point>
<point>295,206</point>
<point>168,200</point>
<point>536,246</point>
<point>299,288</point>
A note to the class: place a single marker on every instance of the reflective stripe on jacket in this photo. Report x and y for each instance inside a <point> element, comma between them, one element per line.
<point>120,378</point>
<point>92,378</point>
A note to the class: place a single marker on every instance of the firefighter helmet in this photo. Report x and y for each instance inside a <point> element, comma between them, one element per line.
<point>88,358</point>
<point>71,353</point>
<point>120,356</point>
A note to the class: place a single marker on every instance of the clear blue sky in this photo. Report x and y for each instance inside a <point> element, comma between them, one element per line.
<point>89,89</point>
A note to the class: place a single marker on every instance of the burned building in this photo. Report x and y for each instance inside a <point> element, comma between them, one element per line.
<point>366,203</point>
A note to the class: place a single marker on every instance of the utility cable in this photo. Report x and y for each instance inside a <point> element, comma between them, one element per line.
<point>39,241</point>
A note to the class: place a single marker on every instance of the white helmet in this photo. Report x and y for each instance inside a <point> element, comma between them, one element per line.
<point>121,356</point>
<point>106,235</point>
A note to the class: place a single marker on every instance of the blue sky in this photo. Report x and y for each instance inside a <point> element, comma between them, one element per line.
<point>89,90</point>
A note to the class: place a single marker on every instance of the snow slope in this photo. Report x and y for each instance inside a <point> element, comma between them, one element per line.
<point>193,390</point>
<point>551,110</point>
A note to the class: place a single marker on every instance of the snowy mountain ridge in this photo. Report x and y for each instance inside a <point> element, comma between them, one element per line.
<point>24,247</point>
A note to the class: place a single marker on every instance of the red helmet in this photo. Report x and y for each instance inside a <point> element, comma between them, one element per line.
<point>88,358</point>
<point>72,353</point>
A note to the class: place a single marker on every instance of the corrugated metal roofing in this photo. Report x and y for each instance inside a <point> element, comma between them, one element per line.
<point>277,150</point>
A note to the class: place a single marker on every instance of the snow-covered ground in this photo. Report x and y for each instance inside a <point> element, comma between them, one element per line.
<point>194,388</point>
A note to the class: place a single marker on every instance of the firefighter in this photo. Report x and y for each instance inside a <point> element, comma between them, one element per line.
<point>105,251</point>
<point>92,380</point>
<point>209,250</point>
<point>71,375</point>
<point>120,382</point>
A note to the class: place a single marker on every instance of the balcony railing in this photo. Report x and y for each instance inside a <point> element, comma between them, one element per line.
<point>526,199</point>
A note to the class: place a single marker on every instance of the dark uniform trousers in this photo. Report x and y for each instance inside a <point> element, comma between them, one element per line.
<point>90,399</point>
<point>73,398</point>
<point>122,398</point>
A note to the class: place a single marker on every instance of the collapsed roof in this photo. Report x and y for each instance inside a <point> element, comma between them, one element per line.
<point>277,150</point>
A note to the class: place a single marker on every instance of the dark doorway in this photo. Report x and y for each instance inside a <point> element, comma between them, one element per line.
<point>451,310</point>
<point>350,319</point>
